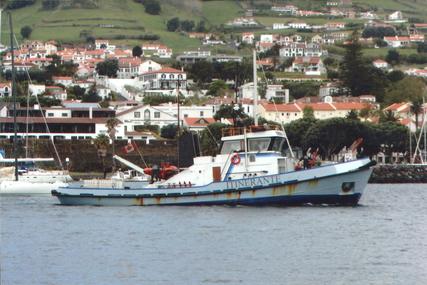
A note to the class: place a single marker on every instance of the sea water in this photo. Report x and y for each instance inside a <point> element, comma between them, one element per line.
<point>382,241</point>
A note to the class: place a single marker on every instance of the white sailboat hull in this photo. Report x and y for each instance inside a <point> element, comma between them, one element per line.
<point>28,188</point>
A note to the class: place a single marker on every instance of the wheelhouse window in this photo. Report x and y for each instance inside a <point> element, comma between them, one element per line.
<point>260,144</point>
<point>232,146</point>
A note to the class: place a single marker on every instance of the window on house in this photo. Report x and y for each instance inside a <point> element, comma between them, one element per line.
<point>137,114</point>
<point>64,115</point>
<point>50,114</point>
<point>147,115</point>
<point>185,115</point>
<point>201,113</point>
<point>157,115</point>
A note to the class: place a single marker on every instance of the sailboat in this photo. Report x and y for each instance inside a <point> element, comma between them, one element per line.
<point>252,168</point>
<point>27,180</point>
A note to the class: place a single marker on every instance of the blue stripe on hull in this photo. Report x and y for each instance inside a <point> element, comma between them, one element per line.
<point>345,200</point>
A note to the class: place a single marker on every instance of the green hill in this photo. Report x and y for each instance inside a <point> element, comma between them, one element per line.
<point>119,18</point>
<point>128,20</point>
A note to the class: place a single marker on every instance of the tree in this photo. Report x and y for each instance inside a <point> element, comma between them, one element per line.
<point>308,113</point>
<point>201,71</point>
<point>352,115</point>
<point>91,96</point>
<point>217,88</point>
<point>111,125</point>
<point>332,135</point>
<point>173,24</point>
<point>422,47</point>
<point>76,91</point>
<point>108,67</point>
<point>26,32</point>
<point>152,7</point>
<point>417,109</point>
<point>354,71</point>
<point>395,75</point>
<point>169,131</point>
<point>137,51</point>
<point>50,4</point>
<point>296,130</point>
<point>201,27</point>
<point>232,111</point>
<point>11,4</point>
<point>387,116</point>
<point>101,143</point>
<point>187,25</point>
<point>393,57</point>
<point>210,138</point>
<point>407,89</point>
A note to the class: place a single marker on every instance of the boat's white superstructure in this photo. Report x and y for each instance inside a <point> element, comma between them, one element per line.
<point>250,170</point>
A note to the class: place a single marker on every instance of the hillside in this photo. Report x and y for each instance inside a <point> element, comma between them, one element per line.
<point>124,17</point>
<point>128,19</point>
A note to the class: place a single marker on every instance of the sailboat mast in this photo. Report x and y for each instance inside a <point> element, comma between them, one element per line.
<point>255,91</point>
<point>15,127</point>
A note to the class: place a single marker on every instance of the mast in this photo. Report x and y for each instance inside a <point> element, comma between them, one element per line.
<point>178,127</point>
<point>15,127</point>
<point>255,91</point>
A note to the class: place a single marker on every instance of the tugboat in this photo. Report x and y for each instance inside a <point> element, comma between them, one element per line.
<point>252,168</point>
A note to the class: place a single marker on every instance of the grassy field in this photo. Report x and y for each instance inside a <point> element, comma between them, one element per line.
<point>410,8</point>
<point>382,52</point>
<point>124,17</point>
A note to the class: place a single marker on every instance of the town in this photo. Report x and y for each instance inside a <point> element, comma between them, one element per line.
<point>339,61</point>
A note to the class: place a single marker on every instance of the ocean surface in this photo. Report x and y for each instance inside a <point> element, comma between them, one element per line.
<point>383,241</point>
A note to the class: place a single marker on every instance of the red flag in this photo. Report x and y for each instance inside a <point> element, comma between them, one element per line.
<point>129,148</point>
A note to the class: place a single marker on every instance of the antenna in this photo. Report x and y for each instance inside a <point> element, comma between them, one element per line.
<point>255,91</point>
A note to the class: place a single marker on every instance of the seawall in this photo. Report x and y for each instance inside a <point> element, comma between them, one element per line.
<point>399,173</point>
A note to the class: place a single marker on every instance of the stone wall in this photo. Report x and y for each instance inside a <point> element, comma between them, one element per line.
<point>83,154</point>
<point>399,173</point>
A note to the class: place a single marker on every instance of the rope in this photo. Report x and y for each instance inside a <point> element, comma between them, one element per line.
<point>43,116</point>
<point>277,115</point>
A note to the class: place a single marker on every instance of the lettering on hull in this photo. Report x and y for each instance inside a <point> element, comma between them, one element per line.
<point>252,182</point>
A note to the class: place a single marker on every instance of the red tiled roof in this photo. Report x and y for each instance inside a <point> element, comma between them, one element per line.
<point>351,105</point>
<point>198,122</point>
<point>165,70</point>
<point>281,107</point>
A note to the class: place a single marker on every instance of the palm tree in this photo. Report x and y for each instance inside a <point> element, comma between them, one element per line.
<point>387,116</point>
<point>101,143</point>
<point>111,125</point>
<point>416,109</point>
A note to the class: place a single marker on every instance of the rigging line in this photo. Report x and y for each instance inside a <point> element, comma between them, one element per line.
<point>41,111</point>
<point>277,116</point>
<point>140,154</point>
<point>26,121</point>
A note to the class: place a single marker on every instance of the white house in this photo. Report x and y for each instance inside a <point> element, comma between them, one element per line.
<point>36,89</point>
<point>149,65</point>
<point>266,38</point>
<point>5,89</point>
<point>395,16</point>
<point>165,78</point>
<point>397,41</point>
<point>299,25</point>
<point>381,64</point>
<point>104,44</point>
<point>277,92</point>
<point>64,80</point>
<point>308,65</point>
<point>248,38</point>
<point>280,26</point>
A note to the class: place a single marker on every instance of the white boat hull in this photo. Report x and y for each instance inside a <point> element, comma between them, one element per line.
<point>28,188</point>
<point>331,184</point>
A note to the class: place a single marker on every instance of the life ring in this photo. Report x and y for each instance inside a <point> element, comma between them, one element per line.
<point>235,159</point>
